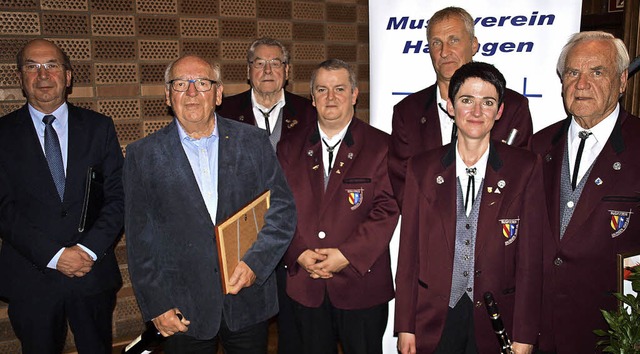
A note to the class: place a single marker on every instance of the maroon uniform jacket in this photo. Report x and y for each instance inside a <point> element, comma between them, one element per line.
<point>356,214</point>
<point>507,263</point>
<point>580,270</point>
<point>298,112</point>
<point>416,128</point>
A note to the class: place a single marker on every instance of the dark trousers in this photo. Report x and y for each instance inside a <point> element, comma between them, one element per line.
<point>359,331</point>
<point>458,336</point>
<point>288,335</point>
<point>249,340</point>
<point>40,322</point>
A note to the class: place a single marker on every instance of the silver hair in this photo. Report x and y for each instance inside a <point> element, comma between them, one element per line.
<point>214,66</point>
<point>251,52</point>
<point>622,55</point>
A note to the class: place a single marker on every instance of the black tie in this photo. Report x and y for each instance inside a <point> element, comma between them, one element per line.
<point>266,116</point>
<point>330,151</point>
<point>471,187</point>
<point>454,128</point>
<point>53,154</point>
<point>583,135</point>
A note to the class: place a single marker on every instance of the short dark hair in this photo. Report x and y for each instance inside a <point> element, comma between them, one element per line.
<point>335,64</point>
<point>66,62</point>
<point>483,71</point>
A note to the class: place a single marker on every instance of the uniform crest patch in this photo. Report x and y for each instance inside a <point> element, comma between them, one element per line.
<point>509,230</point>
<point>355,197</point>
<point>619,221</point>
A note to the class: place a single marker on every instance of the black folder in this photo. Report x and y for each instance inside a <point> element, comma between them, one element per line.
<point>93,199</point>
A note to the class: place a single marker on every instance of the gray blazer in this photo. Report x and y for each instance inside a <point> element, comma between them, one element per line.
<point>171,244</point>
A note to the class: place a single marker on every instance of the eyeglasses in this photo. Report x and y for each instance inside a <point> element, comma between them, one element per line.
<point>201,85</point>
<point>260,64</point>
<point>33,67</point>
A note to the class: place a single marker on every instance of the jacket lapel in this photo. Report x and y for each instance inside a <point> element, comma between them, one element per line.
<point>552,171</point>
<point>491,203</point>
<point>446,185</point>
<point>349,148</point>
<point>430,129</point>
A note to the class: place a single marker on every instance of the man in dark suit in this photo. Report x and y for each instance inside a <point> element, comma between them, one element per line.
<point>338,262</point>
<point>50,271</point>
<point>421,122</point>
<point>284,115</point>
<point>471,224</point>
<point>180,182</point>
<point>592,207</point>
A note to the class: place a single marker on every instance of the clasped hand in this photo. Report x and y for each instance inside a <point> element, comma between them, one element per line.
<point>322,263</point>
<point>74,262</point>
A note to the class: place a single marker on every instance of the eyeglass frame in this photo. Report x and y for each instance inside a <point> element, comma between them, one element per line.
<point>192,81</point>
<point>269,62</point>
<point>47,67</point>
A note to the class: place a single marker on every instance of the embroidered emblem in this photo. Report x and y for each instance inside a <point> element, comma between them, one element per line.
<point>355,197</point>
<point>619,221</point>
<point>439,180</point>
<point>291,123</point>
<point>510,230</point>
<point>617,166</point>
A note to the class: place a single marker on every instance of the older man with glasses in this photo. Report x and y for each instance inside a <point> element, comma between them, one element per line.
<point>283,115</point>
<point>179,183</point>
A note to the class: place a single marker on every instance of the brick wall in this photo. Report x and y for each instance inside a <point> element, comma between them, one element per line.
<point>119,49</point>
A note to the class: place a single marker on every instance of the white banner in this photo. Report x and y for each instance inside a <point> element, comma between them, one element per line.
<point>522,38</point>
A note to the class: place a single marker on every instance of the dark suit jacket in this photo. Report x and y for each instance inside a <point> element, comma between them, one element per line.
<point>171,244</point>
<point>297,115</point>
<point>416,128</point>
<point>580,269</point>
<point>360,229</point>
<point>34,224</point>
<point>509,268</point>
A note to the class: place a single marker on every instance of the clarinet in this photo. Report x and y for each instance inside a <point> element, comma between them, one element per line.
<point>496,323</point>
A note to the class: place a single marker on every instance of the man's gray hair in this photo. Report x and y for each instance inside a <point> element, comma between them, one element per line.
<point>251,52</point>
<point>622,55</point>
<point>214,66</point>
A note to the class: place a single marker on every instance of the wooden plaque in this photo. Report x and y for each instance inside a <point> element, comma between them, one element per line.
<point>236,234</point>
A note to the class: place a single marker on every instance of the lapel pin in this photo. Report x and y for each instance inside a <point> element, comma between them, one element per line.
<point>598,181</point>
<point>490,189</point>
<point>423,120</point>
<point>338,171</point>
<point>547,158</point>
<point>497,191</point>
<point>350,156</point>
<point>439,180</point>
<point>617,166</point>
<point>241,118</point>
<point>310,153</point>
<point>341,163</point>
<point>316,167</point>
<point>291,123</point>
<point>501,184</point>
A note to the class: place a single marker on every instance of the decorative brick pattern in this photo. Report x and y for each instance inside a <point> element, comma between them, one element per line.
<point>113,25</point>
<point>157,6</point>
<point>234,8</point>
<point>76,49</point>
<point>276,29</point>
<point>23,23</point>
<point>65,24</point>
<point>199,27</point>
<point>158,50</point>
<point>274,9</point>
<point>8,77</point>
<point>308,11</point>
<point>67,5</point>
<point>120,109</point>
<point>157,27</point>
<point>119,51</point>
